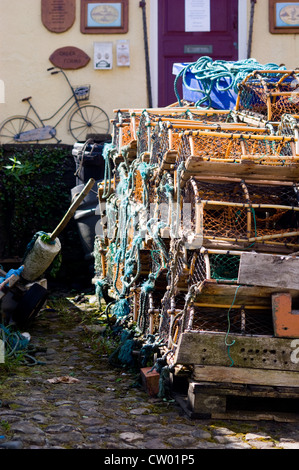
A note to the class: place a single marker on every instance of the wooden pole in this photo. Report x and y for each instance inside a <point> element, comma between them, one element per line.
<point>72,209</point>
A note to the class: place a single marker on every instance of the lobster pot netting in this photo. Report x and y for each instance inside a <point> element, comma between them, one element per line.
<point>212,319</point>
<point>209,116</point>
<point>238,320</point>
<point>126,135</point>
<point>114,268</point>
<point>150,292</point>
<point>147,124</point>
<point>143,133</point>
<point>215,146</point>
<point>138,188</point>
<point>242,211</point>
<point>143,189</point>
<point>222,267</point>
<point>167,135</point>
<point>159,143</point>
<point>217,266</point>
<point>268,95</point>
<point>288,126</point>
<point>196,266</point>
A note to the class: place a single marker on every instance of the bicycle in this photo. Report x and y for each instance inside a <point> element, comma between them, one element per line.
<point>84,118</point>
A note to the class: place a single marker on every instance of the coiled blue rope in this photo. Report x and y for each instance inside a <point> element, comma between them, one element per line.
<point>220,75</point>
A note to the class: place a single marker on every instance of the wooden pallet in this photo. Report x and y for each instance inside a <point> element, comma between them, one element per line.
<point>218,400</point>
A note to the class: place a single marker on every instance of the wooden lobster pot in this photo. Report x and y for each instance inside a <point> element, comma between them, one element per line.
<point>248,214</point>
<point>167,140</point>
<point>270,94</point>
<point>240,339</point>
<point>236,147</point>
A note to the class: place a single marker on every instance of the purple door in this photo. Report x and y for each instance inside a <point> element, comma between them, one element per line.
<point>175,45</point>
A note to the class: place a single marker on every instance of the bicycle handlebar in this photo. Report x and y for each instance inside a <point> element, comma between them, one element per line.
<point>52,68</point>
<point>60,71</point>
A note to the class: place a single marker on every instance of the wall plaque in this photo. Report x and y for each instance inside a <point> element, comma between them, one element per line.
<point>107,17</point>
<point>58,15</point>
<point>284,17</point>
<point>69,57</point>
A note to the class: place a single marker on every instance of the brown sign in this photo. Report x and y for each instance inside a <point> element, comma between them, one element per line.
<point>58,15</point>
<point>69,58</point>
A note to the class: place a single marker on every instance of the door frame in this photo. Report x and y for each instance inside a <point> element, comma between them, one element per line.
<point>153,42</point>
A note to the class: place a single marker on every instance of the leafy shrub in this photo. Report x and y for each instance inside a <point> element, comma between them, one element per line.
<point>34,194</point>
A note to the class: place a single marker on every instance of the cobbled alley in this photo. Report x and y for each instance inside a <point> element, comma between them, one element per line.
<point>71,397</point>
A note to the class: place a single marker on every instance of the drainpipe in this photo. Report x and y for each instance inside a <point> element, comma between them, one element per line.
<point>148,75</point>
<point>253,2</point>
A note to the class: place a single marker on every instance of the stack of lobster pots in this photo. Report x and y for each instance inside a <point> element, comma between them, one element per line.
<point>200,245</point>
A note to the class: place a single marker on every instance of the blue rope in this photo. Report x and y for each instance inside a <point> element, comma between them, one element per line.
<point>45,237</point>
<point>13,340</point>
<point>121,308</point>
<point>17,272</point>
<point>211,74</point>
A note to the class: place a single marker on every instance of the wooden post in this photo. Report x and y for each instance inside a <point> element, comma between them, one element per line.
<point>199,208</point>
<point>151,315</point>
<point>135,306</point>
<point>249,214</point>
<point>297,140</point>
<point>191,142</point>
<point>208,267</point>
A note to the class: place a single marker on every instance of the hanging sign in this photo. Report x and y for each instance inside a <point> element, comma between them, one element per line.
<point>123,53</point>
<point>69,57</point>
<point>58,15</point>
<point>102,58</point>
<point>197,16</point>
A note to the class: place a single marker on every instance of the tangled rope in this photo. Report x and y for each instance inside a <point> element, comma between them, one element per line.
<point>16,346</point>
<point>220,75</point>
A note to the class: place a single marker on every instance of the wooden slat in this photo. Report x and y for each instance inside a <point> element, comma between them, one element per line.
<point>248,170</point>
<point>256,352</point>
<point>210,400</point>
<point>246,376</point>
<point>218,293</point>
<point>269,270</point>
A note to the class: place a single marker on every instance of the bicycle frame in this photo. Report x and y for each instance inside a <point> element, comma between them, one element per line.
<point>73,97</point>
<point>83,118</point>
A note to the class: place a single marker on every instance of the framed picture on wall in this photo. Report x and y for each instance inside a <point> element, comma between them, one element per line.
<point>106,16</point>
<point>283,17</point>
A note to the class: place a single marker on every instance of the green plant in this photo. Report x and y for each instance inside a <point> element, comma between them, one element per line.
<point>33,194</point>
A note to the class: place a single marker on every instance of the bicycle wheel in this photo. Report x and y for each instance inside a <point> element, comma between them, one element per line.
<point>88,119</point>
<point>11,129</point>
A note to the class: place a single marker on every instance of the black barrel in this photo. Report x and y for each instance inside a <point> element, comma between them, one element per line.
<point>87,217</point>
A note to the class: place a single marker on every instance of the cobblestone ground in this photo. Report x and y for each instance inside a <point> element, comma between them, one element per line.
<point>100,407</point>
